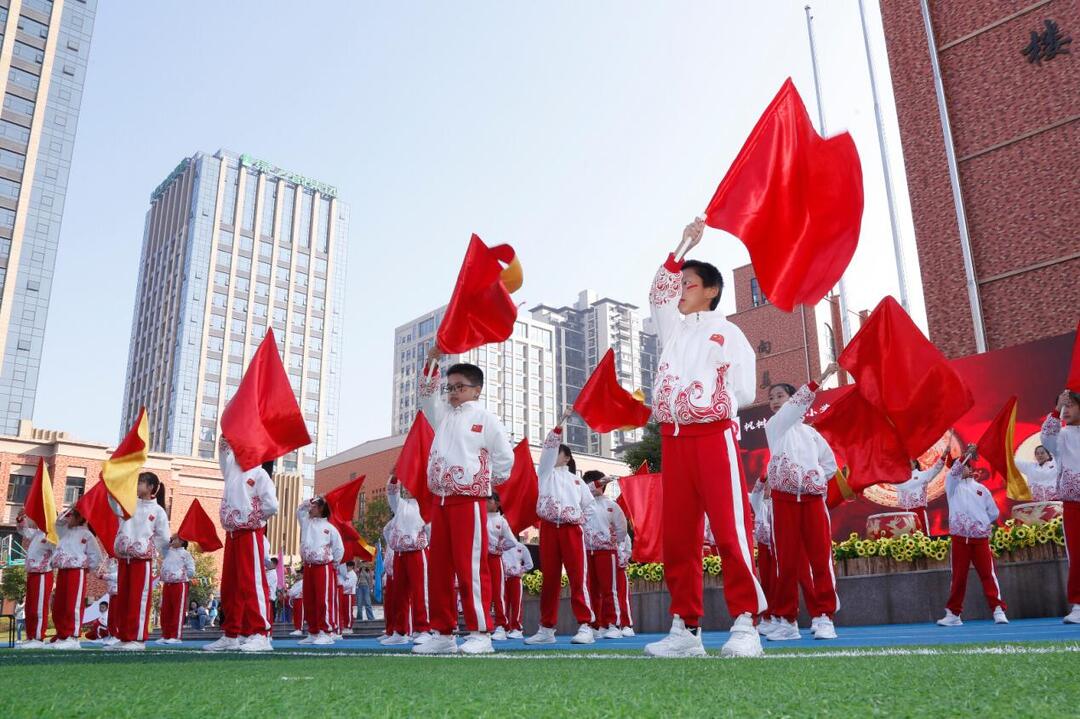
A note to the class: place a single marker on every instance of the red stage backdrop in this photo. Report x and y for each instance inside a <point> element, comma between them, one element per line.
<point>1034,372</point>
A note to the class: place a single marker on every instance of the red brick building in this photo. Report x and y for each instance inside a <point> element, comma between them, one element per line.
<point>1016,132</point>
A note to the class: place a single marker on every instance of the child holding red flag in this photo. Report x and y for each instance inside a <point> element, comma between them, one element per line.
<point>622,586</point>
<point>1041,475</point>
<point>499,539</point>
<point>76,552</point>
<point>39,581</point>
<point>911,495</point>
<point>470,454</point>
<point>706,371</point>
<point>321,549</point>
<point>248,500</point>
<point>1061,435</point>
<point>177,571</point>
<point>605,528</point>
<point>408,536</point>
<point>137,539</point>
<point>562,503</point>
<point>972,512</point>
<point>516,563</point>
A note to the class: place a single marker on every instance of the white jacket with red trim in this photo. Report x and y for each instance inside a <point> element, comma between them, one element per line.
<point>605,525</point>
<point>762,507</point>
<point>348,581</point>
<point>471,450</point>
<point>143,532</point>
<point>626,550</point>
<point>109,571</point>
<point>499,536</point>
<point>178,566</point>
<point>706,370</point>
<point>407,531</point>
<point>1063,442</point>
<point>1042,479</point>
<point>296,589</point>
<point>78,547</point>
<point>320,541</point>
<point>801,461</point>
<point>39,549</point>
<point>562,497</point>
<point>912,493</point>
<point>248,498</point>
<point>972,509</point>
<point>517,561</point>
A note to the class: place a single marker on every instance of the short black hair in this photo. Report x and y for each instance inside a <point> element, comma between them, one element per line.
<point>273,559</point>
<point>710,277</point>
<point>571,464</point>
<point>183,542</point>
<point>325,511</point>
<point>471,372</point>
<point>593,475</point>
<point>790,389</point>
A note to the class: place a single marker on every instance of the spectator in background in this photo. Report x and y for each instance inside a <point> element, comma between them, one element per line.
<point>20,618</point>
<point>213,611</point>
<point>193,614</point>
<point>203,615</point>
<point>364,589</point>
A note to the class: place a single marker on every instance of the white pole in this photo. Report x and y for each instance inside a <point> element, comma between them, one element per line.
<point>898,249</point>
<point>845,323</point>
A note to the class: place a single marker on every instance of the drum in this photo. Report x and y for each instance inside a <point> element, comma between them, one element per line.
<point>890,524</point>
<point>1036,512</point>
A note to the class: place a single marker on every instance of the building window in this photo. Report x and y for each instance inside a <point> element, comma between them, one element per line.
<point>19,487</point>
<point>74,489</point>
<point>757,297</point>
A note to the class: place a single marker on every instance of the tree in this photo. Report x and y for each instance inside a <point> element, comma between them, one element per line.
<point>13,583</point>
<point>205,582</point>
<point>376,515</point>
<point>648,449</point>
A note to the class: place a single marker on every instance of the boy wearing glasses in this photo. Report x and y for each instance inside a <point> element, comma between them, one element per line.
<point>470,454</point>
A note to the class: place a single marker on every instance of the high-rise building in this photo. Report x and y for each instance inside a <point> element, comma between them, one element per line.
<point>232,246</point>
<point>42,69</point>
<point>519,374</point>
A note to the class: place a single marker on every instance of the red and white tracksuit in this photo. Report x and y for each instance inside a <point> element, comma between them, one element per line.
<point>271,578</point>
<point>1042,479</point>
<point>97,629</point>
<point>499,540</point>
<point>470,454</point>
<point>768,569</point>
<point>177,571</point>
<point>347,597</point>
<point>623,616</point>
<point>110,572</point>
<point>137,539</point>
<point>561,504</point>
<point>321,550</point>
<point>515,563</point>
<point>296,599</point>
<point>409,536</point>
<point>605,528</point>
<point>972,512</point>
<point>76,552</point>
<point>911,495</point>
<point>39,578</point>
<point>1063,442</point>
<point>248,500</point>
<point>800,466</point>
<point>706,371</point>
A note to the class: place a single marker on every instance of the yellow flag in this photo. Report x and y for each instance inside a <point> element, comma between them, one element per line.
<point>121,471</point>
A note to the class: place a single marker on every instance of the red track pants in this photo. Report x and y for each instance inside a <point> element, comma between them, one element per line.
<point>965,552</point>
<point>602,593</point>
<point>345,609</point>
<point>174,600</point>
<point>244,590</point>
<point>459,549</point>
<point>38,591</point>
<point>702,474</point>
<point>513,603</point>
<point>320,586</point>
<point>498,590</point>
<point>110,624</point>
<point>1071,519</point>
<point>298,613</point>
<point>411,570</point>
<point>622,606</point>
<point>563,545</point>
<point>802,535</point>
<point>133,596</point>
<point>67,602</point>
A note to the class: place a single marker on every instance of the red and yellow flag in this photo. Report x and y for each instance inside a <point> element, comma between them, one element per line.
<point>997,445</point>
<point>605,405</point>
<point>40,505</point>
<point>481,310</point>
<point>120,472</point>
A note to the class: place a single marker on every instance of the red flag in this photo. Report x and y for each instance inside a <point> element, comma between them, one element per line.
<point>262,421</point>
<point>94,505</point>
<point>605,405</point>
<point>412,463</point>
<point>40,504</point>
<point>839,491</point>
<point>795,200</point>
<point>642,499</point>
<point>905,377</point>
<point>480,309</point>
<point>199,528</point>
<point>518,494</point>
<point>863,438</point>
<point>998,445</point>
<point>342,501</point>
<point>356,547</point>
<point>1073,382</point>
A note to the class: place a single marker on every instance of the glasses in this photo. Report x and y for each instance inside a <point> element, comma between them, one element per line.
<point>458,387</point>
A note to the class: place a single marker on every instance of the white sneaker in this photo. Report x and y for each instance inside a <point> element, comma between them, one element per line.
<point>680,642</point>
<point>347,631</point>
<point>825,629</point>
<point>1073,617</point>
<point>109,641</point>
<point>584,635</point>
<point>438,644</point>
<point>515,634</point>
<point>396,639</point>
<point>130,647</point>
<point>628,631</point>
<point>499,635</point>
<point>814,625</point>
<point>323,640</point>
<point>337,636</point>
<point>162,641</point>
<point>173,641</point>
<point>767,626</point>
<point>257,643</point>
<point>544,635</point>
<point>612,632</point>
<point>999,616</point>
<point>785,631</point>
<point>477,643</point>
<point>950,620</point>
<point>64,644</point>
<point>296,633</point>
<point>30,644</point>
<point>309,639</point>
<point>743,640</point>
<point>224,644</point>
<point>422,638</point>
<point>381,637</point>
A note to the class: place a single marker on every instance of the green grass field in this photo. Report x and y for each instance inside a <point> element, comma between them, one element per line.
<point>943,682</point>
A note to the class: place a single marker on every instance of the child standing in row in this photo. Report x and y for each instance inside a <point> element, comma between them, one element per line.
<point>499,539</point>
<point>1061,435</point>
<point>39,581</point>
<point>321,549</point>
<point>296,598</point>
<point>605,528</point>
<point>516,563</point>
<point>76,552</point>
<point>409,536</point>
<point>622,586</point>
<point>177,571</point>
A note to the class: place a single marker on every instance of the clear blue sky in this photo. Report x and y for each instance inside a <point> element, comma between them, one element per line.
<point>585,134</point>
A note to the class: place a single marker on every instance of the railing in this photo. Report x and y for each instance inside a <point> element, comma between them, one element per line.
<point>12,553</point>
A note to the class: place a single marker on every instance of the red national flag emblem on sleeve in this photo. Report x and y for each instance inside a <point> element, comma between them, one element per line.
<point>642,500</point>
<point>1073,382</point>
<point>519,494</point>
<point>263,421</point>
<point>412,463</point>
<point>605,405</point>
<point>94,505</point>
<point>795,200</point>
<point>863,438</point>
<point>481,310</point>
<point>199,528</point>
<point>40,505</point>
<point>997,446</point>
<point>120,473</point>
